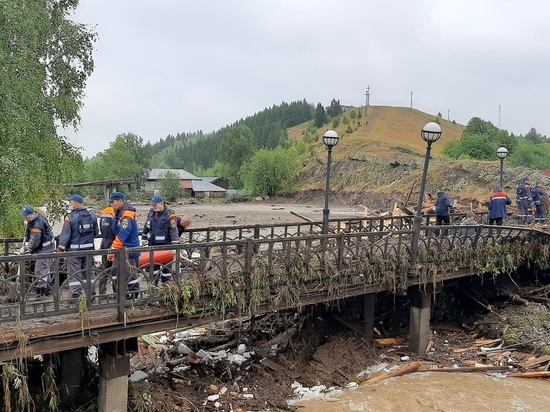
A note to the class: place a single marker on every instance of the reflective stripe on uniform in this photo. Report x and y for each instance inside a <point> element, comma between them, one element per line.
<point>83,246</point>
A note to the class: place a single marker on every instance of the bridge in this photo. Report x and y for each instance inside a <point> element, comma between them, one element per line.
<point>235,271</point>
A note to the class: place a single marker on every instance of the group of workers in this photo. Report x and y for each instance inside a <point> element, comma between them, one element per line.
<point>118,228</point>
<point>530,203</point>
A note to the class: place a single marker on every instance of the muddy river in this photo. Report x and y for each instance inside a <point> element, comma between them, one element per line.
<point>451,392</point>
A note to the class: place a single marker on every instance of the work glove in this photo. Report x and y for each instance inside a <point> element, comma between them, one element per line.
<point>59,250</point>
<point>111,258</point>
<point>24,251</point>
<point>144,242</point>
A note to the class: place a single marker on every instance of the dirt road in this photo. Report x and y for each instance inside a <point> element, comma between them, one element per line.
<point>249,213</point>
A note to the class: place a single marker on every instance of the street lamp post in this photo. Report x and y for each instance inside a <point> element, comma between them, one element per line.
<point>330,139</point>
<point>502,153</point>
<point>430,133</point>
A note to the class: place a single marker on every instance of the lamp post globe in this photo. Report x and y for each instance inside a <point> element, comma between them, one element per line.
<point>431,132</point>
<point>330,139</point>
<point>502,153</point>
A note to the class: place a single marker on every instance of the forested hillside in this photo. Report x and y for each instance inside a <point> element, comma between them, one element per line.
<point>193,151</point>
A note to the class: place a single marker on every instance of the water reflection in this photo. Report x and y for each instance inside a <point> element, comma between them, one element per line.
<point>449,392</point>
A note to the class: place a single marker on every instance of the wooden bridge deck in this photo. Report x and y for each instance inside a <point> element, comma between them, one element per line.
<point>237,271</point>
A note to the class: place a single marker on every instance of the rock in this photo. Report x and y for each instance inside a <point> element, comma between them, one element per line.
<point>183,349</point>
<point>137,376</point>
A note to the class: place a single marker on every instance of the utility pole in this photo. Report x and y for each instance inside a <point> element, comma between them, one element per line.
<point>411,99</point>
<point>367,94</point>
<point>448,114</point>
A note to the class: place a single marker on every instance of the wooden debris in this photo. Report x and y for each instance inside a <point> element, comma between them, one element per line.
<point>465,369</point>
<point>307,219</point>
<point>271,365</point>
<point>408,368</point>
<point>389,341</point>
<point>542,374</point>
<point>535,362</point>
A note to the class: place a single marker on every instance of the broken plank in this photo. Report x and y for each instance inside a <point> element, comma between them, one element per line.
<point>466,369</point>
<point>535,362</point>
<point>542,374</point>
<point>408,368</point>
<point>307,219</point>
<point>271,365</point>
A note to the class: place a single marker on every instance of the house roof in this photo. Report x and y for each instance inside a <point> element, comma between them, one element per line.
<point>202,186</point>
<point>210,179</point>
<point>158,174</point>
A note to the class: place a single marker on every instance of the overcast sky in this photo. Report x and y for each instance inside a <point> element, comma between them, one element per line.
<point>170,66</point>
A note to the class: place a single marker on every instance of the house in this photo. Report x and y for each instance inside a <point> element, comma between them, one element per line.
<point>202,189</point>
<point>218,181</point>
<point>194,186</point>
<point>152,184</point>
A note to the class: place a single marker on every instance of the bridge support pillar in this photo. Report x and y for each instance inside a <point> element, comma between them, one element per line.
<point>71,370</point>
<point>419,320</point>
<point>368,315</point>
<point>114,368</point>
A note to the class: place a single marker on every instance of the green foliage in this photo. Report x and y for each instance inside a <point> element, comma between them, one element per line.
<point>236,148</point>
<point>479,141</point>
<point>126,158</point>
<point>190,151</point>
<point>270,172</point>
<point>335,122</point>
<point>531,155</point>
<point>477,147</point>
<point>320,116</point>
<point>349,129</point>
<point>534,137</point>
<point>45,59</point>
<point>335,108</point>
<point>170,187</point>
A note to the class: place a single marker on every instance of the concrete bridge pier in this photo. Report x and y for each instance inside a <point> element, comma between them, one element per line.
<point>419,319</point>
<point>368,315</point>
<point>71,370</point>
<point>114,368</point>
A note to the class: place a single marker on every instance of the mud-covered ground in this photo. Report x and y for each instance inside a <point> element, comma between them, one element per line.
<point>327,345</point>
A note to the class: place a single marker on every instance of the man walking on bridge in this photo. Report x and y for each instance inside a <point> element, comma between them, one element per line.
<point>38,239</point>
<point>442,206</point>
<point>126,235</point>
<point>523,200</point>
<point>78,233</point>
<point>497,206</point>
<point>161,228</point>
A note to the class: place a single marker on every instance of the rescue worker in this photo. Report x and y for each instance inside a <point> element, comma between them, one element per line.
<point>38,239</point>
<point>498,200</point>
<point>161,228</point>
<point>469,231</point>
<point>125,229</point>
<point>77,234</point>
<point>540,211</point>
<point>106,218</point>
<point>523,200</point>
<point>442,206</point>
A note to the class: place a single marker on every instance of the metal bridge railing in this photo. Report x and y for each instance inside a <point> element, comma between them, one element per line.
<point>298,264</point>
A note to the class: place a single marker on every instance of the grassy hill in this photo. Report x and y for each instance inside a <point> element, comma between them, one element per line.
<point>381,162</point>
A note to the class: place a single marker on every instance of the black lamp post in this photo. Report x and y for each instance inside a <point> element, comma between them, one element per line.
<point>502,153</point>
<point>330,139</point>
<point>430,133</point>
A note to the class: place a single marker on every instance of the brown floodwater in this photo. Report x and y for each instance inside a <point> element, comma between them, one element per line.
<point>442,392</point>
